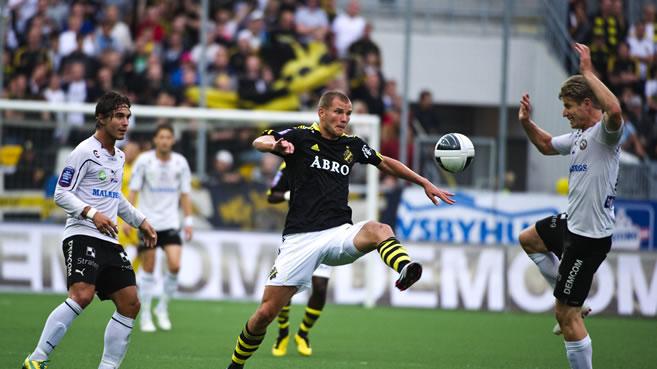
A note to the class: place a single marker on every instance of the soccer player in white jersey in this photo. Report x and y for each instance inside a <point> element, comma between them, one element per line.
<point>595,114</point>
<point>163,180</point>
<point>89,190</point>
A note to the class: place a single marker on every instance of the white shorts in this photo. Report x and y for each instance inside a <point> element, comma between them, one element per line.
<point>322,271</point>
<point>302,253</point>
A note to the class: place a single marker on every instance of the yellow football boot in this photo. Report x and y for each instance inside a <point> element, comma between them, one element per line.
<point>34,364</point>
<point>303,345</point>
<point>280,347</point>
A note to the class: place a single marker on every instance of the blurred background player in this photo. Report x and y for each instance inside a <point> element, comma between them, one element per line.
<point>88,190</point>
<point>279,192</point>
<point>594,148</point>
<point>163,179</point>
<point>127,235</point>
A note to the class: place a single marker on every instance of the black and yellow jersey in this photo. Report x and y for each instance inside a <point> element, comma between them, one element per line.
<point>318,176</point>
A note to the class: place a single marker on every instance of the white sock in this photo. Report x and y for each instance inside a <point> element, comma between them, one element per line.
<point>146,287</point>
<point>56,325</point>
<point>169,289</point>
<point>548,265</point>
<point>580,353</point>
<point>117,336</point>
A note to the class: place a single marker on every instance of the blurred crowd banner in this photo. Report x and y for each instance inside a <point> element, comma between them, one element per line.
<point>227,265</point>
<point>491,218</point>
<point>244,207</point>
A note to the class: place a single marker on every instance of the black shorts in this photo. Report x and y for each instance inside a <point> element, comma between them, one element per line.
<point>552,231</point>
<point>101,263</point>
<point>581,258</point>
<point>164,238</point>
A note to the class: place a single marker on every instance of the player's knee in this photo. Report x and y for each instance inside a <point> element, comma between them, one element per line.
<point>528,240</point>
<point>378,231</point>
<point>129,308</point>
<point>83,296</point>
<point>565,315</point>
<point>174,269</point>
<point>264,316</point>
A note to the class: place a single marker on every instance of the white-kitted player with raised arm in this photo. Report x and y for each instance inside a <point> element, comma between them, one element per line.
<point>582,238</point>
<point>89,190</point>
<point>163,179</point>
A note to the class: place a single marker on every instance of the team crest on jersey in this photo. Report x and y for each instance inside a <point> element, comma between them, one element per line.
<point>91,252</point>
<point>96,154</point>
<point>583,144</point>
<point>273,273</point>
<point>102,175</point>
<point>348,155</point>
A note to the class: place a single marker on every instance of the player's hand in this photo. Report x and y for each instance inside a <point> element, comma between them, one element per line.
<point>283,147</point>
<point>105,225</point>
<point>149,234</point>
<point>126,228</point>
<point>432,192</point>
<point>187,230</point>
<point>525,111</point>
<point>585,64</point>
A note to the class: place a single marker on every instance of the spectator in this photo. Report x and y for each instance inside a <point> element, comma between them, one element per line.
<point>641,48</point>
<point>426,113</point>
<point>348,27</point>
<point>623,71</point>
<point>223,172</point>
<point>578,21</point>
<point>311,22</point>
<point>30,55</point>
<point>120,31</point>
<point>606,25</point>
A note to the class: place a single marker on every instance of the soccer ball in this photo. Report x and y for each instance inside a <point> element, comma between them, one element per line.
<point>454,152</point>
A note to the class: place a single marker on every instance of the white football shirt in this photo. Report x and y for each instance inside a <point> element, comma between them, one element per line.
<point>92,177</point>
<point>160,184</point>
<point>594,157</point>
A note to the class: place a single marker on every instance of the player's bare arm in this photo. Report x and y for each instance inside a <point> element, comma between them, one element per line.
<point>538,136</point>
<point>149,234</point>
<point>104,224</point>
<point>132,198</point>
<point>612,117</point>
<point>268,143</point>
<point>398,169</point>
<point>186,204</point>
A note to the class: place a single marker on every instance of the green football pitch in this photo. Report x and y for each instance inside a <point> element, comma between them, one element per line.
<point>344,337</point>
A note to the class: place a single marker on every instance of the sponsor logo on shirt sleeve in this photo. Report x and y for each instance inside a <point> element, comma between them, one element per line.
<point>66,178</point>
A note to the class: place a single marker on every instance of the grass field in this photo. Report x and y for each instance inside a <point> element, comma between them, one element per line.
<point>345,337</point>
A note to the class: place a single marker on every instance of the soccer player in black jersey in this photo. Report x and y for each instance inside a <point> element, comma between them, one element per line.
<point>318,227</point>
<point>279,192</point>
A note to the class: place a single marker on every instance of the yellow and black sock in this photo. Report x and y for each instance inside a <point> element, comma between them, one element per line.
<point>393,254</point>
<point>247,344</point>
<point>284,321</point>
<point>309,319</point>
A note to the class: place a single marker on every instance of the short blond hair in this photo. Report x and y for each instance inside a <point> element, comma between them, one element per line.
<point>327,98</point>
<point>577,89</point>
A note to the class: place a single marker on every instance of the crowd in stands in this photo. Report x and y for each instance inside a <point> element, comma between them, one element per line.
<point>74,51</point>
<point>625,58</point>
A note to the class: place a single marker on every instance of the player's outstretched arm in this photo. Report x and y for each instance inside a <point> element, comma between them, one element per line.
<point>268,143</point>
<point>398,169</point>
<point>538,136</point>
<point>613,118</point>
